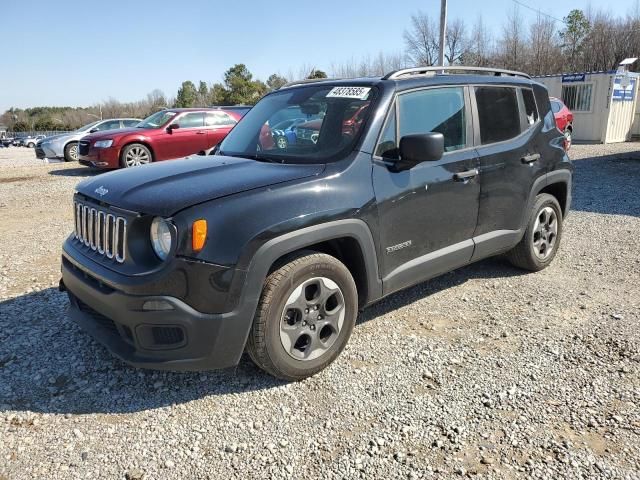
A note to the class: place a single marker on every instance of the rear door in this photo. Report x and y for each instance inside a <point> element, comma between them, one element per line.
<point>508,144</point>
<point>218,125</point>
<point>427,213</point>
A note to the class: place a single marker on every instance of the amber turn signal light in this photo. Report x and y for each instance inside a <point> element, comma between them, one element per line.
<point>199,234</point>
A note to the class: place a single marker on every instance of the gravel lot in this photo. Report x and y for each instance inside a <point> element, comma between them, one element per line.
<point>483,372</point>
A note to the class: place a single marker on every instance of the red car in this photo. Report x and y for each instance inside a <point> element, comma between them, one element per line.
<point>168,134</point>
<point>564,119</point>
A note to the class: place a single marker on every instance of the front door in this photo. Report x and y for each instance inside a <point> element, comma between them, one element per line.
<point>428,213</point>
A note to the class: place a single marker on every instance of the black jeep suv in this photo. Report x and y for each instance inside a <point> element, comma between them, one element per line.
<point>185,265</point>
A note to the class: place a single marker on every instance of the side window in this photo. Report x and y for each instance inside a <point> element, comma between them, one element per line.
<point>191,120</point>
<point>498,113</point>
<point>215,119</point>
<point>435,110</point>
<point>530,109</point>
<point>130,123</point>
<point>388,144</point>
<point>577,97</point>
<point>110,125</point>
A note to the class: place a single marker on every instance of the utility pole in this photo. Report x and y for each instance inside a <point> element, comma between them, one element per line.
<point>443,31</point>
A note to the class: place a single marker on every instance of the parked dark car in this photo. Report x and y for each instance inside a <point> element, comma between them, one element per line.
<point>273,251</point>
<point>165,135</point>
<point>564,119</point>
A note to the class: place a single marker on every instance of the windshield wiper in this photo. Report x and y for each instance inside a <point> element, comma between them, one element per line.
<point>255,156</point>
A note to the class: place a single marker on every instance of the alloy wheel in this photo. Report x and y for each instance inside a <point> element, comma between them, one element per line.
<point>545,233</point>
<point>312,318</point>
<point>136,156</point>
<point>73,152</point>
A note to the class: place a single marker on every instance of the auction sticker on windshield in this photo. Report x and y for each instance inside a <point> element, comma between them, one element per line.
<point>360,93</point>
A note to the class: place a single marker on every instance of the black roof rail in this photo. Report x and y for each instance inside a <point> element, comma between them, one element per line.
<point>409,72</point>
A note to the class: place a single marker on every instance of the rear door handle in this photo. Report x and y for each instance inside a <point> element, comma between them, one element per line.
<point>530,158</point>
<point>200,133</point>
<point>466,175</point>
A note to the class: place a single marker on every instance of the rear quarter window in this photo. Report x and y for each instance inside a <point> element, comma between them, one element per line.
<point>498,113</point>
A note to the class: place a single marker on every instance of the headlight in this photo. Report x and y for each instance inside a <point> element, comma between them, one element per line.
<point>161,237</point>
<point>103,143</point>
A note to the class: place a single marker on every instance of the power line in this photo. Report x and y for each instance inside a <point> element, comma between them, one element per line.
<point>540,12</point>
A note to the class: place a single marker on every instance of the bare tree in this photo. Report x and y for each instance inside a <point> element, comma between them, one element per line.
<point>456,42</point>
<point>544,47</point>
<point>479,49</point>
<point>513,47</point>
<point>421,40</point>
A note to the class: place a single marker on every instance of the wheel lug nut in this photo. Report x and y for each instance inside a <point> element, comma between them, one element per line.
<point>319,317</point>
<point>306,310</point>
<point>313,327</point>
<point>304,322</point>
<point>316,307</point>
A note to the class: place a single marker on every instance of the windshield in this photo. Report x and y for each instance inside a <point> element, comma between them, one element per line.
<point>326,122</point>
<point>156,120</point>
<point>88,127</point>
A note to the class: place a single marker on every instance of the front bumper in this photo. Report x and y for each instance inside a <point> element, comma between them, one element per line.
<point>180,338</point>
<point>100,158</point>
<point>47,151</point>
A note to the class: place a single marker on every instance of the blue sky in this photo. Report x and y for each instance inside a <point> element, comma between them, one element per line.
<point>68,52</point>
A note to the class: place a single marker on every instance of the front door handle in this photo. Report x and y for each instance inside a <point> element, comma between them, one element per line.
<point>466,175</point>
<point>530,158</point>
<point>200,133</point>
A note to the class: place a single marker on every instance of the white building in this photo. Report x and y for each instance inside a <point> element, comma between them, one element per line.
<point>604,104</point>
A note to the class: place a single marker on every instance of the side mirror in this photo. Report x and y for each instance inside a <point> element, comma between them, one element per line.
<point>420,147</point>
<point>173,126</point>
<point>93,130</point>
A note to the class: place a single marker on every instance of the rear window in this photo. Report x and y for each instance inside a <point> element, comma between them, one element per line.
<point>530,109</point>
<point>498,113</point>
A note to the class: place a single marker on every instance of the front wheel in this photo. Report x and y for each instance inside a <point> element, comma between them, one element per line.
<point>541,239</point>
<point>305,317</point>
<point>71,152</point>
<point>135,155</point>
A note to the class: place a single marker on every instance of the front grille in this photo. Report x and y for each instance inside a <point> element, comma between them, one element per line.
<point>102,232</point>
<point>83,147</point>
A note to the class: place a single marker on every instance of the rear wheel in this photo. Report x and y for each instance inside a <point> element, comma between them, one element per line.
<point>541,240</point>
<point>567,137</point>
<point>71,152</point>
<point>305,317</point>
<point>31,145</point>
<point>282,142</point>
<point>135,155</point>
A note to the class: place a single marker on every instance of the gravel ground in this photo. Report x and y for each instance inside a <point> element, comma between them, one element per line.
<point>483,372</point>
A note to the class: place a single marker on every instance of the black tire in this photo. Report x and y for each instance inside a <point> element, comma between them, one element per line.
<point>144,154</point>
<point>524,254</point>
<point>71,152</point>
<point>31,145</point>
<point>265,345</point>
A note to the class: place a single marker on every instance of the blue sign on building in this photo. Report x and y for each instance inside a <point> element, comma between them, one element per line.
<point>623,94</point>
<point>573,77</point>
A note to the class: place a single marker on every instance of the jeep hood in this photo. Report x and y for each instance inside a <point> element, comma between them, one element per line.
<point>164,188</point>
